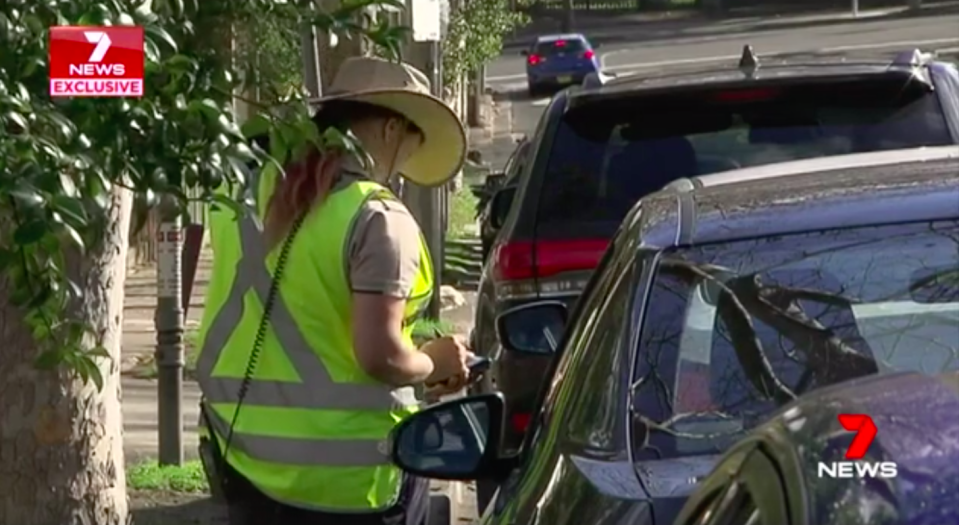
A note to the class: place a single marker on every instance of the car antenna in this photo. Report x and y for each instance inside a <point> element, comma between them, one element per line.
<point>748,63</point>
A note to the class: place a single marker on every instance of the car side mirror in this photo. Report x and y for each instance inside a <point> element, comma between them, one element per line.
<point>456,440</point>
<point>533,328</point>
<point>494,180</point>
<point>500,205</point>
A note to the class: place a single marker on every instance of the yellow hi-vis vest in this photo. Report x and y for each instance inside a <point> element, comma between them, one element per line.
<point>312,428</point>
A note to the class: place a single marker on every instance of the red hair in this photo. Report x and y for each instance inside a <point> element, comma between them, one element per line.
<point>306,184</point>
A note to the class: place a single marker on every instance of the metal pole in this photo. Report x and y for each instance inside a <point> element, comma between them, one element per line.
<point>855,8</point>
<point>169,330</point>
<point>434,217</point>
<point>568,16</point>
<point>311,63</point>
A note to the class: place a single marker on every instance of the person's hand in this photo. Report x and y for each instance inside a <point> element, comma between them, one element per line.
<point>434,392</point>
<point>450,355</point>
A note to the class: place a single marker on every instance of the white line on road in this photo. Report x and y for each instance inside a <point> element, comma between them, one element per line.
<point>703,60</point>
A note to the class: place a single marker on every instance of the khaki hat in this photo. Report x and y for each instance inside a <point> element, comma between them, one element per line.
<point>406,90</point>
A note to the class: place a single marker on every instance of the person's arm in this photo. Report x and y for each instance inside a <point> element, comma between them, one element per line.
<point>378,343</point>
<point>384,259</point>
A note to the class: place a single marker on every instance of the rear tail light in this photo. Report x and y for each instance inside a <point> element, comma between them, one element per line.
<point>534,59</point>
<point>588,55</point>
<point>520,422</point>
<point>515,265</point>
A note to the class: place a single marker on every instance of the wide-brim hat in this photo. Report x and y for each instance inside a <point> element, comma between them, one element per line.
<point>404,89</point>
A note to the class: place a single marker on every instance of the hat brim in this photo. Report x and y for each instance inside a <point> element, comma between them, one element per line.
<point>443,152</point>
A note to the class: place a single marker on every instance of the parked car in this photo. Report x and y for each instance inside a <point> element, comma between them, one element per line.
<point>555,61</point>
<point>597,151</point>
<point>717,302</point>
<point>777,474</point>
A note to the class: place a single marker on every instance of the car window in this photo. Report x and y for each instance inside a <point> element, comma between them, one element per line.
<point>559,47</point>
<point>517,163</point>
<point>740,328</point>
<point>608,153</point>
<point>598,378</point>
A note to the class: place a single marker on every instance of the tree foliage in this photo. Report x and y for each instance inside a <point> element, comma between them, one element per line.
<point>475,35</point>
<point>61,159</point>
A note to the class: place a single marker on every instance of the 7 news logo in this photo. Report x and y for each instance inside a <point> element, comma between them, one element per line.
<point>865,429</point>
<point>93,61</point>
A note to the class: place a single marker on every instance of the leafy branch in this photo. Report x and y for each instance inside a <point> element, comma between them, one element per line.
<point>62,161</point>
<point>475,35</point>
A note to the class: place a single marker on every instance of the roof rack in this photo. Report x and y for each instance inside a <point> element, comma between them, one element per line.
<point>912,58</point>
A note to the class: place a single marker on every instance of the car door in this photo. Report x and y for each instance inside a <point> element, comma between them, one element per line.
<point>584,401</point>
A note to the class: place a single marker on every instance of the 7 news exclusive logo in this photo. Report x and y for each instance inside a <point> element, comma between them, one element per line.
<point>95,61</point>
<point>865,429</point>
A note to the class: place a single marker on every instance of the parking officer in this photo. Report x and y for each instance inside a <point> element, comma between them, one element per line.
<point>306,359</point>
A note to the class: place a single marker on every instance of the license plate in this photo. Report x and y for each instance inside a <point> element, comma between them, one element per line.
<point>565,79</point>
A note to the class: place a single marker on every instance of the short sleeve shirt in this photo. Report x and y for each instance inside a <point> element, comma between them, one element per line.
<point>383,246</point>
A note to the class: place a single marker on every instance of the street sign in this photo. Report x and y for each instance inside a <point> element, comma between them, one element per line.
<point>426,15</point>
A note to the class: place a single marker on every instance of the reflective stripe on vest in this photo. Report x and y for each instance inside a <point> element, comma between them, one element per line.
<point>315,390</point>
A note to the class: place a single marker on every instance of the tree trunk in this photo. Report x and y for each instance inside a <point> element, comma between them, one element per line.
<point>61,442</point>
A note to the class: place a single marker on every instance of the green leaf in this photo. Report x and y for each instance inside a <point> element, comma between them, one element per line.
<point>17,119</point>
<point>27,196</point>
<point>49,359</point>
<point>90,371</point>
<point>157,33</point>
<point>256,125</point>
<point>31,232</point>
<point>71,208</point>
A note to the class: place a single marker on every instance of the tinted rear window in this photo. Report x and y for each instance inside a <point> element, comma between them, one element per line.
<point>736,330</point>
<point>558,47</point>
<point>606,155</point>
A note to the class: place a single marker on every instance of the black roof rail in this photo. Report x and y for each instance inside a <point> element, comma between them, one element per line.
<point>594,79</point>
<point>684,185</point>
<point>748,62</point>
<point>912,58</point>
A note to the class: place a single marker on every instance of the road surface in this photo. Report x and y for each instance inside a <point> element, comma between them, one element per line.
<point>878,37</point>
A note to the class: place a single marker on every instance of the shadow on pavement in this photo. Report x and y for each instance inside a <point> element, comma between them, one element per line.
<point>173,508</point>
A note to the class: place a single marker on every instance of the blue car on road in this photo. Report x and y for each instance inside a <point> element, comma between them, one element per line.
<point>555,61</point>
<point>775,476</point>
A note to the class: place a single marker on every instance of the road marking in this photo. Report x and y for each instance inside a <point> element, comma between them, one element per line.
<point>540,102</point>
<point>703,60</point>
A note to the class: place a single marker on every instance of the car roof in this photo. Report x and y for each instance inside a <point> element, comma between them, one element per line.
<point>772,69</point>
<point>830,162</point>
<point>561,36</point>
<point>915,417</point>
<point>909,191</point>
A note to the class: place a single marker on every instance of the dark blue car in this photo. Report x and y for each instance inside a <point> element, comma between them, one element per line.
<point>559,60</point>
<point>718,302</point>
<point>776,476</point>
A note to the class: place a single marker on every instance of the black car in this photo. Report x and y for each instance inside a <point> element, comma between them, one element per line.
<point>597,151</point>
<point>786,472</point>
<point>716,303</point>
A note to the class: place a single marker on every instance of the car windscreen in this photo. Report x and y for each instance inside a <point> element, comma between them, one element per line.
<point>607,154</point>
<point>736,330</point>
<point>556,47</point>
